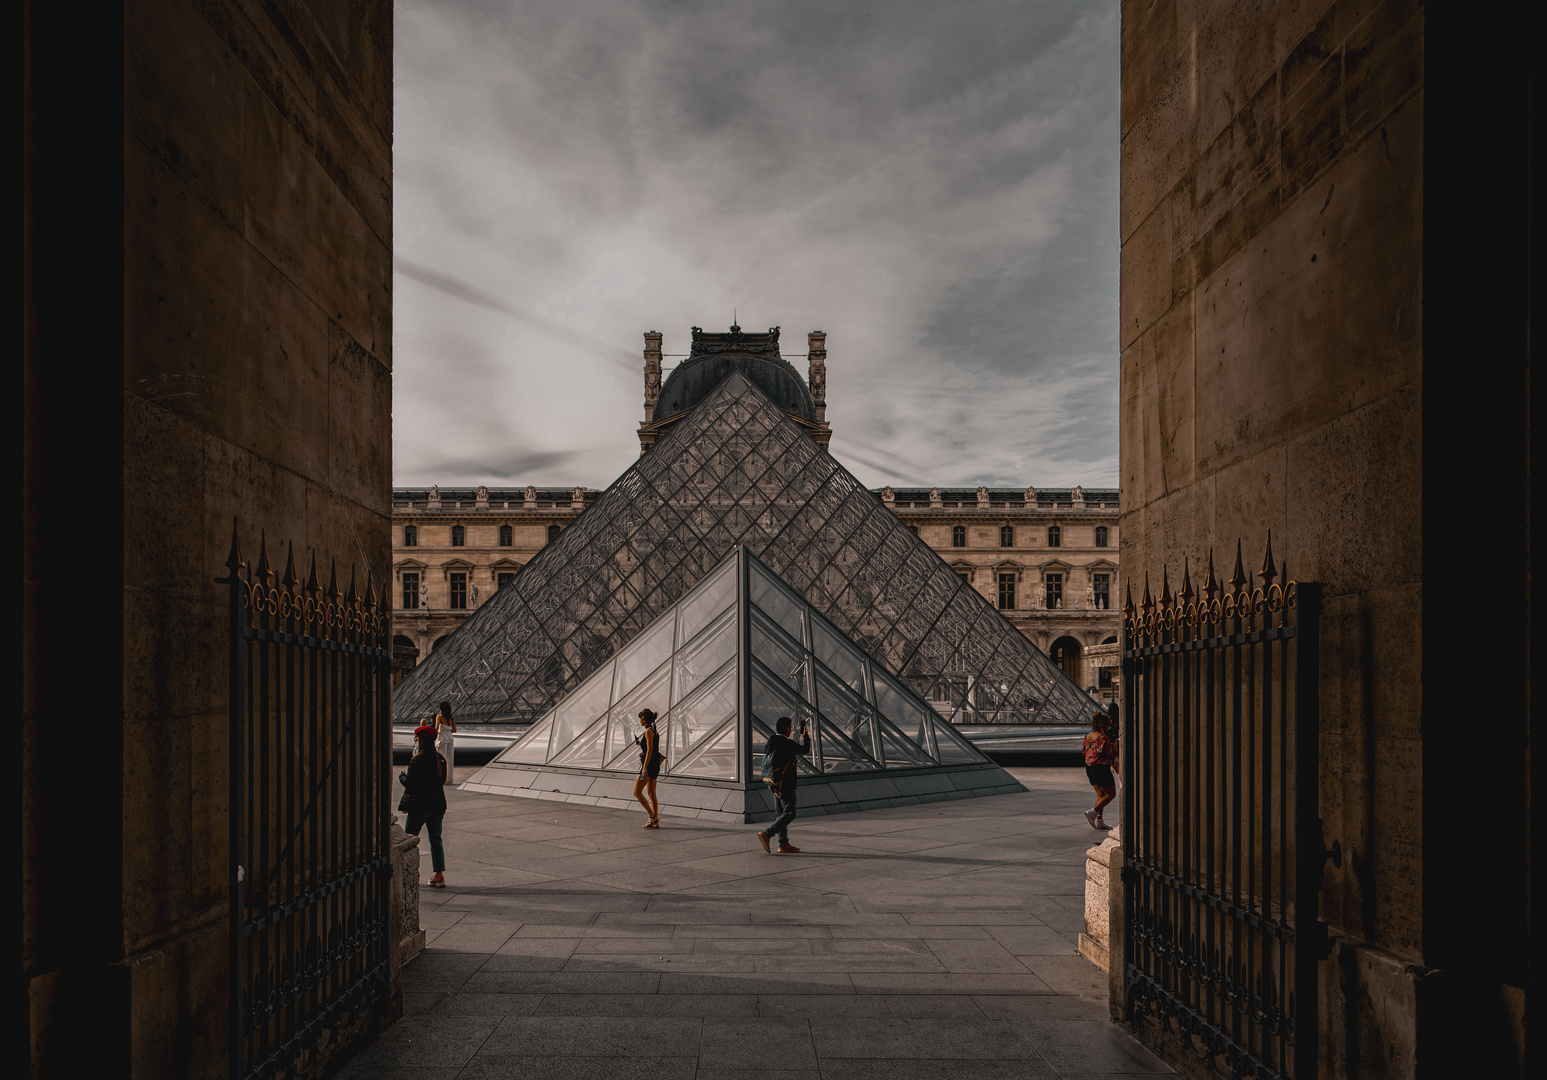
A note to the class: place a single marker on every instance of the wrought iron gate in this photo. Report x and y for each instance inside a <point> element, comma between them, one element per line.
<point>1222,843</point>
<point>310,843</point>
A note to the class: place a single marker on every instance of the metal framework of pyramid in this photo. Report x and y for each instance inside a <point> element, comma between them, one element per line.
<point>736,470</point>
<point>719,668</point>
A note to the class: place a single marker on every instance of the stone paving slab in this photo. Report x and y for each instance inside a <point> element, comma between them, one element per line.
<point>920,942</point>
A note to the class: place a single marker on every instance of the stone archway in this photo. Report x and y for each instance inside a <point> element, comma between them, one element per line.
<point>1066,653</point>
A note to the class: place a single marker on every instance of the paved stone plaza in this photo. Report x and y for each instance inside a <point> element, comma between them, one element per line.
<point>932,941</point>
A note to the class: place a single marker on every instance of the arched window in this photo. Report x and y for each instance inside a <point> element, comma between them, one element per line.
<point>410,536</point>
<point>553,533</point>
<point>458,536</point>
<point>1101,536</point>
<point>959,536</point>
<point>1055,536</point>
<point>1007,536</point>
<point>507,536</point>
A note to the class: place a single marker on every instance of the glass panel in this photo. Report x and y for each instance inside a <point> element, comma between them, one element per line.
<point>910,715</point>
<point>898,748</point>
<point>531,748</point>
<point>845,713</point>
<point>710,597</point>
<point>954,750</point>
<point>840,754</point>
<point>715,759</point>
<point>781,655</point>
<point>691,720</point>
<point>646,653</point>
<point>580,709</point>
<point>623,721</point>
<point>844,659</point>
<point>586,752</point>
<point>702,657</point>
<point>778,603</point>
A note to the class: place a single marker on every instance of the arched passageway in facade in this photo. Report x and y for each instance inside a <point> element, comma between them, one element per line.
<point>1066,654</point>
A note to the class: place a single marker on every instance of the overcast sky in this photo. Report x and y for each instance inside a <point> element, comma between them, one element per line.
<point>932,183</point>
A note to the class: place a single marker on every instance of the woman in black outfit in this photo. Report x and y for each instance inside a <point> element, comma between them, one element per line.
<point>424,797</point>
<point>650,758</point>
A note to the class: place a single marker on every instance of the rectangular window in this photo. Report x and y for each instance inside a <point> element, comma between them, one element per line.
<point>1006,592</point>
<point>1104,678</point>
<point>458,591</point>
<point>965,575</point>
<point>1055,591</point>
<point>503,578</point>
<point>1101,590</point>
<point>411,591</point>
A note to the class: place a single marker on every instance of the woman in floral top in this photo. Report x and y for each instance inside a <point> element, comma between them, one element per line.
<point>1100,757</point>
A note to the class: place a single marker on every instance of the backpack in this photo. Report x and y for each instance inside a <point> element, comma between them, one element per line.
<point>768,770</point>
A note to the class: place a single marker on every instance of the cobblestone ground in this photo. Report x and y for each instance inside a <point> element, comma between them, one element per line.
<point>933,941</point>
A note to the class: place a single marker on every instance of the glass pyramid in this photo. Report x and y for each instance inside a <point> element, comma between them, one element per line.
<point>719,668</point>
<point>737,470</point>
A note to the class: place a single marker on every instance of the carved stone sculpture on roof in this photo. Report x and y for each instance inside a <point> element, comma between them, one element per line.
<point>434,492</point>
<point>578,496</point>
<point>483,493</point>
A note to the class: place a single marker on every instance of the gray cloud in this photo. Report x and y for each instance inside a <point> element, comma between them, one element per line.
<point>935,185</point>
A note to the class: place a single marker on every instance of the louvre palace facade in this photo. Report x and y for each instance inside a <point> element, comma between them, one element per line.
<point>1045,558</point>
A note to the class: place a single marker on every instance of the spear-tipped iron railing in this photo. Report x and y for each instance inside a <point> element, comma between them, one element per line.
<point>310,760</point>
<point>1223,851</point>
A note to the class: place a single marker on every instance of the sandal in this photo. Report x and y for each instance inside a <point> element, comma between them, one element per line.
<point>653,823</point>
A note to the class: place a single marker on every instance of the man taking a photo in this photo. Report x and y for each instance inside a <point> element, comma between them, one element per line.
<point>779,767</point>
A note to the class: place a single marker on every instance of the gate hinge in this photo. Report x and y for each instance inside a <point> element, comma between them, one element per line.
<point>1335,852</point>
<point>1315,940</point>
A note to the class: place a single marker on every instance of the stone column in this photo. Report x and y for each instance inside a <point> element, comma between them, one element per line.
<point>1096,940</point>
<point>408,937</point>
<point>652,372</point>
<point>816,377</point>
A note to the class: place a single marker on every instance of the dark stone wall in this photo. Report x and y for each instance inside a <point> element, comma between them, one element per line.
<point>1302,352</point>
<point>209,332</point>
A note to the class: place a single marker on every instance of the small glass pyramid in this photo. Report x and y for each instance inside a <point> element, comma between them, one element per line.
<point>719,667</point>
<point>737,470</point>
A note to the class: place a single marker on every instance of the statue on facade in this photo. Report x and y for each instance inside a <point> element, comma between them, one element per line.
<point>472,594</point>
<point>435,493</point>
<point>483,493</point>
<point>578,496</point>
<point>818,381</point>
<point>982,496</point>
<point>424,595</point>
<point>888,495</point>
<point>1079,494</point>
<point>531,495</point>
<point>934,496</point>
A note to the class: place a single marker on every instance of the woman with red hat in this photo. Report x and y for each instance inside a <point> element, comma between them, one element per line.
<point>424,797</point>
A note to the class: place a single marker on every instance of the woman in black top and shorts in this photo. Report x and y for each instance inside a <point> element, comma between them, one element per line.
<point>650,758</point>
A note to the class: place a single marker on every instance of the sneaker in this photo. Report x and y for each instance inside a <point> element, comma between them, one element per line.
<point>762,838</point>
<point>788,849</point>
<point>1090,816</point>
<point>1103,825</point>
